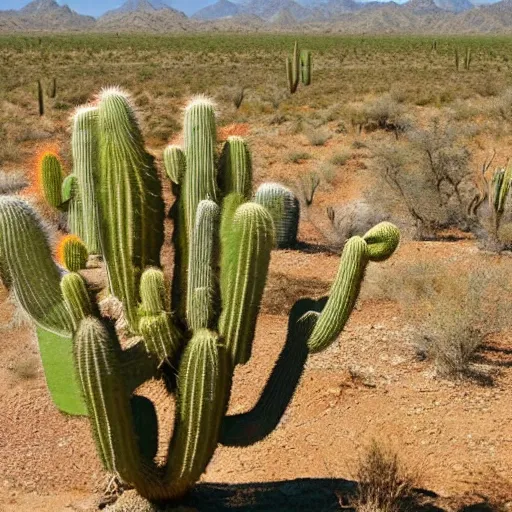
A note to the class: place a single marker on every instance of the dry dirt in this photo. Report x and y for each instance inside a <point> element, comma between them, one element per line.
<point>368,385</point>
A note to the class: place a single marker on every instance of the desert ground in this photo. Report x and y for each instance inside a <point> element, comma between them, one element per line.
<point>390,128</point>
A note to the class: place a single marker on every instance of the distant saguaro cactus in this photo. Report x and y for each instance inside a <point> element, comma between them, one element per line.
<point>223,245</point>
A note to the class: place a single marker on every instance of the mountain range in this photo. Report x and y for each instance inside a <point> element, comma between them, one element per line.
<point>321,16</point>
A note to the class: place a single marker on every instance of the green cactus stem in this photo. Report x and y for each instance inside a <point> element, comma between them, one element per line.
<point>305,64</point>
<point>248,248</point>
<point>204,383</point>
<point>202,282</point>
<point>84,144</point>
<point>293,69</point>
<point>161,337</point>
<point>73,253</point>
<point>131,209</point>
<point>284,207</point>
<point>236,168</point>
<point>378,244</point>
<point>175,163</point>
<point>51,177</point>
<point>26,260</point>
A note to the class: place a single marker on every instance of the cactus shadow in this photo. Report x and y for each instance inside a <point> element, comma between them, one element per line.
<point>320,495</point>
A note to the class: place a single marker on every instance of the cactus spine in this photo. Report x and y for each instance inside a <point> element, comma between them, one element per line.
<point>215,303</point>
<point>284,207</point>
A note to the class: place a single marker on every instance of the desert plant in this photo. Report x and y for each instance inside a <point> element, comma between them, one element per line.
<point>40,98</point>
<point>238,97</point>
<point>384,484</point>
<point>72,253</point>
<point>308,184</point>
<point>317,137</point>
<point>75,193</point>
<point>305,66</point>
<point>53,91</point>
<point>223,244</point>
<point>457,59</point>
<point>293,69</point>
<point>467,59</point>
<point>285,210</point>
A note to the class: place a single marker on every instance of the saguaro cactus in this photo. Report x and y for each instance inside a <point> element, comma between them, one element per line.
<point>285,210</point>
<point>293,69</point>
<point>228,242</point>
<point>298,68</point>
<point>305,66</point>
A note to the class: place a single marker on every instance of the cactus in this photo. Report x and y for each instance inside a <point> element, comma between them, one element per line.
<point>293,69</point>
<point>131,208</point>
<point>75,193</point>
<point>499,191</point>
<point>40,97</point>
<point>227,240</point>
<point>305,66</point>
<point>72,253</point>
<point>285,210</point>
<point>298,68</point>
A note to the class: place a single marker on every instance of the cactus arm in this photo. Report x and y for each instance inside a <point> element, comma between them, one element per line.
<point>285,210</point>
<point>161,337</point>
<point>202,283</point>
<point>253,426</point>
<point>72,253</point>
<point>27,262</point>
<point>249,244</point>
<point>51,177</point>
<point>85,148</point>
<point>69,186</point>
<point>175,163</point>
<point>200,180</point>
<point>204,383</point>
<point>98,359</point>
<point>305,61</point>
<point>76,297</point>
<point>378,244</point>
<point>131,209</point>
<point>236,168</point>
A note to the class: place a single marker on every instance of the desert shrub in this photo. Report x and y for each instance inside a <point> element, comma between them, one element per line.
<point>384,483</point>
<point>308,184</point>
<point>328,172</point>
<point>430,174</point>
<point>502,106</point>
<point>353,218</point>
<point>452,311</point>
<point>297,156</point>
<point>340,158</point>
<point>317,137</point>
<point>383,113</point>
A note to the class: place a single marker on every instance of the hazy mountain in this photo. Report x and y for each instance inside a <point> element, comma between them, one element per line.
<point>138,6</point>
<point>44,15</point>
<point>266,9</point>
<point>143,16</point>
<point>220,9</point>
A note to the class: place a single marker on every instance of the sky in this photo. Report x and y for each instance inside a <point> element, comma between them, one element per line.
<point>98,7</point>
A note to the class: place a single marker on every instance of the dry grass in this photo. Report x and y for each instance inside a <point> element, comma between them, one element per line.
<point>384,483</point>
